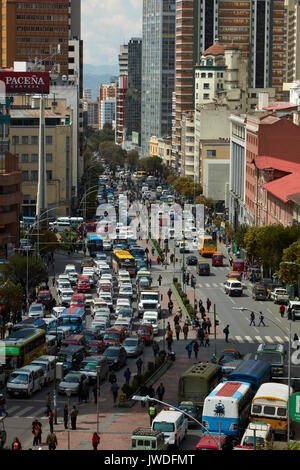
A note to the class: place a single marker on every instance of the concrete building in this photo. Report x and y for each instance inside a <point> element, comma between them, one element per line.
<point>165,151</point>
<point>24,128</point>
<point>108,111</point>
<point>134,91</point>
<point>158,69</point>
<point>215,164</point>
<point>93,114</point>
<point>292,14</point>
<point>188,165</point>
<point>121,92</point>
<point>105,91</point>
<point>153,146</point>
<point>39,29</point>
<point>75,61</point>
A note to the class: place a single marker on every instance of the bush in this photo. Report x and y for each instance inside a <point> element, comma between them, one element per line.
<point>151,367</point>
<point>175,280</point>
<point>128,390</point>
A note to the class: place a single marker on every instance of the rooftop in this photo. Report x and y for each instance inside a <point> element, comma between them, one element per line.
<point>215,49</point>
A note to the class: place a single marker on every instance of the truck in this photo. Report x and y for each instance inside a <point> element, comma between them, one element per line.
<point>149,300</point>
<point>279,295</point>
<point>147,439</point>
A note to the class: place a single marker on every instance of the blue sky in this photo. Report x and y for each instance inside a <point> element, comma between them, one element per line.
<point>105,25</point>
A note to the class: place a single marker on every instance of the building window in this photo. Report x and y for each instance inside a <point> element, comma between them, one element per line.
<point>34,158</point>
<point>48,157</point>
<point>206,86</point>
<point>15,139</point>
<point>211,153</point>
<point>24,158</point>
<point>206,96</point>
<point>49,175</point>
<point>48,139</point>
<point>24,139</point>
<point>25,175</point>
<point>203,75</point>
<point>34,140</point>
<point>209,75</point>
<point>34,175</point>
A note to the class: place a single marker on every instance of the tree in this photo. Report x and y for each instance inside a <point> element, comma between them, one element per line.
<point>47,240</point>
<point>187,188</point>
<point>132,159</point>
<point>152,165</point>
<point>16,271</point>
<point>11,295</point>
<point>290,273</point>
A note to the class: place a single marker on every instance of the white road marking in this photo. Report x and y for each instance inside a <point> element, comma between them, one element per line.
<point>249,339</point>
<point>279,339</point>
<point>259,339</point>
<point>239,339</point>
<point>269,339</point>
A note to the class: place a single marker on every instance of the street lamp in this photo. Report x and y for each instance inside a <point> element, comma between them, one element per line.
<point>147,398</point>
<point>68,393</point>
<point>289,357</point>
<point>98,368</point>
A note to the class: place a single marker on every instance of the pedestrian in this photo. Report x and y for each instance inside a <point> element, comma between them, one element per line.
<point>208,304</point>
<point>170,307</point>
<point>51,441</point>
<point>206,337</point>
<point>48,403</point>
<point>73,415</point>
<point>176,319</point>
<point>152,412</point>
<point>155,348</point>
<point>226,333</point>
<point>204,325</point>
<point>169,294</point>
<point>200,304</point>
<point>143,393</point>
<point>187,278</point>
<point>112,377</point>
<point>177,331</point>
<point>293,314</point>
<point>289,313</point>
<point>66,416</point>
<point>185,330</point>
<point>159,280</point>
<point>230,260</point>
<point>9,326</point>
<point>2,405</point>
<point>189,348</point>
<point>169,341</point>
<point>200,335</point>
<point>50,418</point>
<point>37,432</point>
<point>115,388</point>
<point>196,349</point>
<point>158,260</point>
<point>282,310</point>
<point>151,392</point>
<point>139,365</point>
<point>261,319</point>
<point>150,263</point>
<point>252,319</point>
<point>208,325</point>
<point>16,444</point>
<point>152,251</point>
<point>95,441</point>
<point>80,390</point>
<point>160,391</point>
<point>127,375</point>
<point>202,311</point>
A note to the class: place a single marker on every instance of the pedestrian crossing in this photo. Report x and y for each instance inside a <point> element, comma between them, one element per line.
<point>259,339</point>
<point>30,412</point>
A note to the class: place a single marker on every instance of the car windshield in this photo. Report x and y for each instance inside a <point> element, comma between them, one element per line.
<point>72,378</point>
<point>90,368</point>
<point>35,308</point>
<point>163,426</point>
<point>144,332</point>
<point>249,441</point>
<point>130,342</point>
<point>235,284</point>
<point>112,336</point>
<point>17,378</point>
<point>111,352</point>
<point>271,357</point>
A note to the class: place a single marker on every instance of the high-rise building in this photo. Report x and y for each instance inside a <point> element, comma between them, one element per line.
<point>133,95</point>
<point>158,69</point>
<point>120,134</point>
<point>38,29</point>
<point>292,12</point>
<point>105,91</point>
<point>108,112</point>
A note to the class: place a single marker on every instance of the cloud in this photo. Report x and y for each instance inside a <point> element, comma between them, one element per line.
<point>106,24</point>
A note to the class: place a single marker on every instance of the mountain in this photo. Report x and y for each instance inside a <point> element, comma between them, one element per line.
<point>94,76</point>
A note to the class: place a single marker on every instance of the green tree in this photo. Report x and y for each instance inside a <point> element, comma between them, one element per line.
<point>47,240</point>
<point>151,164</point>
<point>290,273</point>
<point>11,295</point>
<point>16,271</point>
<point>132,159</point>
<point>187,188</point>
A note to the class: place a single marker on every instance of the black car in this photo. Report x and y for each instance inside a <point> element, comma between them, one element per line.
<point>191,260</point>
<point>191,409</point>
<point>203,269</point>
<point>116,357</point>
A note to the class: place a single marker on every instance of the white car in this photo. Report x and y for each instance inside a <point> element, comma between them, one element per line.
<point>36,311</point>
<point>63,285</point>
<point>107,245</point>
<point>65,296</point>
<point>57,310</point>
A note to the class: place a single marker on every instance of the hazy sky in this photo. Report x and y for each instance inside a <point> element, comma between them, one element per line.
<point>106,24</point>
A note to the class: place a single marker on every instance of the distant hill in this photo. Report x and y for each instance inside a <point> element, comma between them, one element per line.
<point>94,76</point>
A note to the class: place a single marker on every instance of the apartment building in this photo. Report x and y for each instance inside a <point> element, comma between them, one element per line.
<point>105,91</point>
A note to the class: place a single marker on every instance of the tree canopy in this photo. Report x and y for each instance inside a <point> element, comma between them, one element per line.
<point>15,271</point>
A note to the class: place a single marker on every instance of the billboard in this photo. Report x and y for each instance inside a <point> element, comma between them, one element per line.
<point>136,138</point>
<point>25,82</point>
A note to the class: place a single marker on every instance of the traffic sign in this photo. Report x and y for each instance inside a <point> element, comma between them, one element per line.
<point>294,407</point>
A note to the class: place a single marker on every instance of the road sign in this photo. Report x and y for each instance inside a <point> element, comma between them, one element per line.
<point>294,406</point>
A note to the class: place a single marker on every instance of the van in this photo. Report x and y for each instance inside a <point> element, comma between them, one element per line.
<point>203,268</point>
<point>89,368</point>
<point>259,292</point>
<point>38,372</point>
<point>263,435</point>
<point>71,356</point>
<point>48,365</point>
<point>146,439</point>
<point>233,287</point>
<point>51,344</point>
<point>23,382</point>
<point>172,424</point>
<point>151,317</point>
<point>78,340</point>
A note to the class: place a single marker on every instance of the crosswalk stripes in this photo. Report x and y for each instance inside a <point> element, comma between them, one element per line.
<point>279,339</point>
<point>269,340</point>
<point>260,339</point>
<point>249,339</point>
<point>30,412</point>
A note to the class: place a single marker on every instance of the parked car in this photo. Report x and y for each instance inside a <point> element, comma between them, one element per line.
<point>279,296</point>
<point>193,410</point>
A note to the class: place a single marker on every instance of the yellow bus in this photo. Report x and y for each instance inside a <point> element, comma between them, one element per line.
<point>270,406</point>
<point>21,347</point>
<point>122,259</point>
<point>206,245</point>
<point>140,174</point>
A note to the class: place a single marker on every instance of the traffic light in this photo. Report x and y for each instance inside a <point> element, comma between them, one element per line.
<point>214,235</point>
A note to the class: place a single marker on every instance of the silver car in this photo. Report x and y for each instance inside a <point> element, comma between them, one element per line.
<point>133,346</point>
<point>71,382</point>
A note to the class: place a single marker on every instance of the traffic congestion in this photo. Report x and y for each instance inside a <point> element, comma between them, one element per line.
<point>113,304</point>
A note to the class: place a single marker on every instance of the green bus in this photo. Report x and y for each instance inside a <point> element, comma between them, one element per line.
<point>197,382</point>
<point>21,347</point>
<point>274,354</point>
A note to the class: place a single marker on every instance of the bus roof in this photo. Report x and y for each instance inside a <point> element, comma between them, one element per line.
<point>203,369</point>
<point>250,368</point>
<point>94,236</point>
<point>230,389</point>
<point>273,391</point>
<point>73,311</point>
<point>123,254</point>
<point>21,336</point>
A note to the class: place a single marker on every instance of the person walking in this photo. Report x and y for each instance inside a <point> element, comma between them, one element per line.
<point>187,278</point>
<point>112,377</point>
<point>208,304</point>
<point>196,348</point>
<point>50,418</point>
<point>2,405</point>
<point>169,293</point>
<point>143,393</point>
<point>170,307</point>
<point>200,334</point>
<point>200,305</point>
<point>226,333</point>
<point>127,375</point>
<point>282,310</point>
<point>95,440</point>
<point>152,412</point>
<point>177,331</point>
<point>115,388</point>
<point>159,280</point>
<point>51,441</point>
<point>37,432</point>
<point>176,319</point>
<point>66,416</point>
<point>293,315</point>
<point>16,444</point>
<point>160,391</point>
<point>208,322</point>
<point>185,330</point>
<point>73,415</point>
<point>189,348</point>
<point>139,365</point>
<point>252,319</point>
<point>151,392</point>
<point>206,337</point>
<point>261,319</point>
<point>155,348</point>
<point>48,403</point>
<point>202,311</point>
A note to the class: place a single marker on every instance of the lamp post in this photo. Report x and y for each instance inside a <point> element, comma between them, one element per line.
<point>98,368</point>
<point>68,393</point>
<point>289,358</point>
<point>147,398</point>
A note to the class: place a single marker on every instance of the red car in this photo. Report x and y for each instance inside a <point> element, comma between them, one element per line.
<point>77,300</point>
<point>83,284</point>
<point>95,347</point>
<point>145,332</point>
<point>44,297</point>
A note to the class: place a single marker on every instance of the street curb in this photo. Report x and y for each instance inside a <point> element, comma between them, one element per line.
<point>181,304</point>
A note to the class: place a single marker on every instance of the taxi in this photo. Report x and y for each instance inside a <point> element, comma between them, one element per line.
<point>145,332</point>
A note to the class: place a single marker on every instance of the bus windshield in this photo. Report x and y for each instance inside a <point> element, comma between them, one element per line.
<point>272,357</point>
<point>69,321</point>
<point>209,242</point>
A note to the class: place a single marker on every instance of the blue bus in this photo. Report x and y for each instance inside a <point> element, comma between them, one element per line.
<point>74,317</point>
<point>137,252</point>
<point>27,221</point>
<point>94,244</point>
<point>253,372</point>
<point>226,409</point>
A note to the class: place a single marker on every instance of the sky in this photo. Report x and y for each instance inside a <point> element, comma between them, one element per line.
<point>105,25</point>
